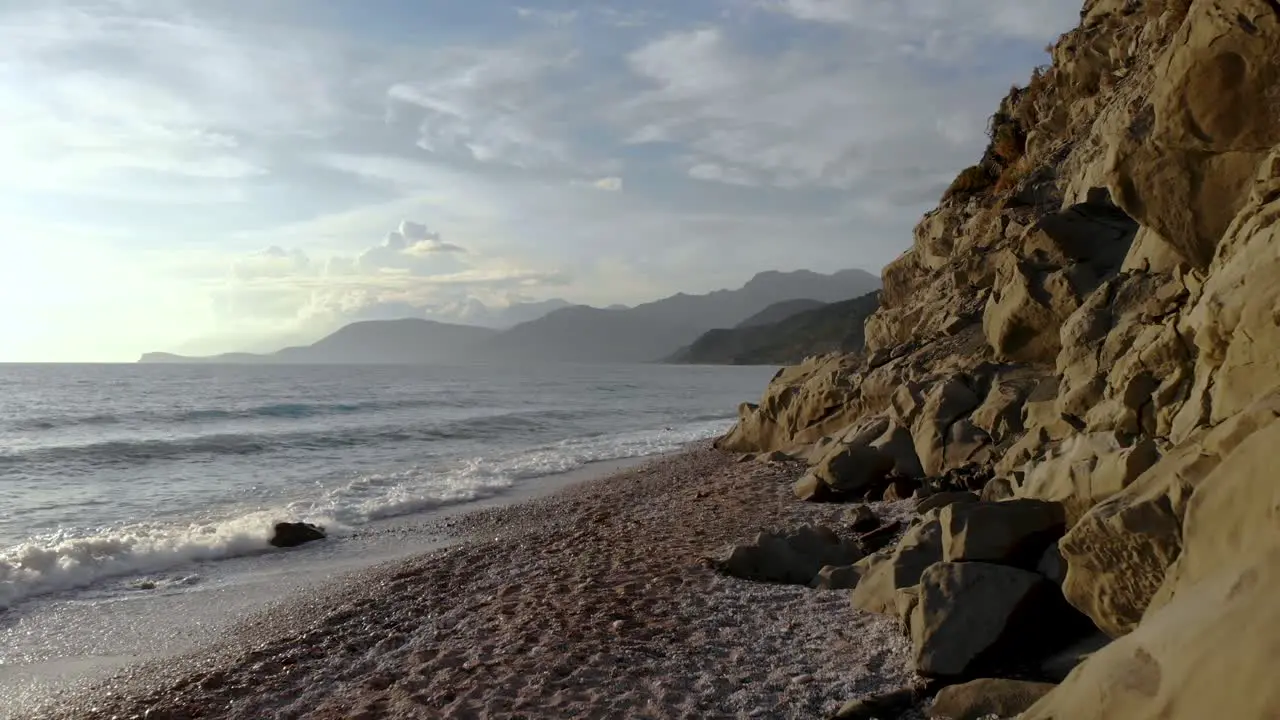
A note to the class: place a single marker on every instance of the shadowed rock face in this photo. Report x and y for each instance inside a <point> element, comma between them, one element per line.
<point>1095,323</point>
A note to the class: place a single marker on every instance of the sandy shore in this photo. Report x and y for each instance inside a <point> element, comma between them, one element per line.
<point>595,602</point>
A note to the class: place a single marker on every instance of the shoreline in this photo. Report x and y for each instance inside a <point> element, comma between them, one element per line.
<point>70,639</point>
<point>592,600</point>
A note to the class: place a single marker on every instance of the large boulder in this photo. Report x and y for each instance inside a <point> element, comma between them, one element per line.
<point>792,556</point>
<point>978,699</point>
<point>1118,552</point>
<point>1012,532</point>
<point>847,471</point>
<point>1209,641</point>
<point>974,617</point>
<point>901,566</point>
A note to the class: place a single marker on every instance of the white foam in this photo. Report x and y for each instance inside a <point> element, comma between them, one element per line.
<point>58,562</point>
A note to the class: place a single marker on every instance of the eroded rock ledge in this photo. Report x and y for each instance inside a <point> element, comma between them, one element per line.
<point>1092,315</point>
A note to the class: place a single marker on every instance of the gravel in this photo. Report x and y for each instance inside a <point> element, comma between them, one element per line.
<point>595,602</point>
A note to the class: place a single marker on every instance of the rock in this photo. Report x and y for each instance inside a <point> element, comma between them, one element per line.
<point>1026,309</point>
<point>876,539</point>
<point>974,617</point>
<point>886,571</point>
<point>896,442</point>
<point>1059,665</point>
<point>875,707</point>
<point>1194,652</point>
<point>1052,566</point>
<point>791,557</point>
<point>746,458</point>
<point>860,518</point>
<point>846,471</point>
<point>293,534</point>
<point>900,489</point>
<point>837,577</point>
<point>801,404</point>
<point>946,403</point>
<point>997,489</point>
<point>810,489</point>
<point>1118,552</point>
<point>943,499</point>
<point>1013,532</point>
<point>1087,469</point>
<point>977,699</point>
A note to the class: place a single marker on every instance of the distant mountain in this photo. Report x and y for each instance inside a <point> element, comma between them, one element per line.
<point>554,332</point>
<point>373,342</point>
<point>473,312</point>
<point>829,328</point>
<point>778,312</point>
<point>727,308</point>
<point>655,330</point>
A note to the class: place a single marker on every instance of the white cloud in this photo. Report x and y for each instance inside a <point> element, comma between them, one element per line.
<point>609,184</point>
<point>492,105</point>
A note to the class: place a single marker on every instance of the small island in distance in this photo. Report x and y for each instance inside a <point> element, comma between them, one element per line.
<point>775,318</point>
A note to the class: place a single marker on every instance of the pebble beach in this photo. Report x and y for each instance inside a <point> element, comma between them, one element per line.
<point>597,601</point>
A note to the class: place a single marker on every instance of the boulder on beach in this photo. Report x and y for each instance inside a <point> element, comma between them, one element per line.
<point>987,697</point>
<point>293,534</point>
<point>791,556</point>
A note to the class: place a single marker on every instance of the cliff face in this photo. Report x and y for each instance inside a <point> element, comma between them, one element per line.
<point>1093,311</point>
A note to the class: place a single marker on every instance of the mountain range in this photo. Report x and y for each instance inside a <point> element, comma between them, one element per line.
<point>557,331</point>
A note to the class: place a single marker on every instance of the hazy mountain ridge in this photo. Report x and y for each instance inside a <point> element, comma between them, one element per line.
<point>834,327</point>
<point>577,333</point>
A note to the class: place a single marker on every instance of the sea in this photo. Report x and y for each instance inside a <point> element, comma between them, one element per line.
<point>137,501</point>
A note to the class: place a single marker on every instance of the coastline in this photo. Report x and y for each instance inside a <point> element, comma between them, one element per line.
<point>591,601</point>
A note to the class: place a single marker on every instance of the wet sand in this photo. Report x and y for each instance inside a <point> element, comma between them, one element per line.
<point>594,602</point>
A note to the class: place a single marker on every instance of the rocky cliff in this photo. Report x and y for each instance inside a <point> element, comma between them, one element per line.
<point>1091,316</point>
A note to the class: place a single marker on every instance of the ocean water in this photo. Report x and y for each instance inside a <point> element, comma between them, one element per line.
<point>120,478</point>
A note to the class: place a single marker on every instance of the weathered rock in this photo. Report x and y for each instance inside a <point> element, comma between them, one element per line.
<point>997,489</point>
<point>948,402</point>
<point>885,572</point>
<point>792,556</point>
<point>1118,552</point>
<point>801,404</point>
<point>1027,308</point>
<point>873,540</point>
<point>884,705</point>
<point>1208,644</point>
<point>777,456</point>
<point>860,518</point>
<point>973,617</point>
<point>978,699</point>
<point>1086,470</point>
<point>1013,532</point>
<point>293,534</point>
<point>846,471</point>
<point>810,489</point>
<point>900,489</point>
<point>837,577</point>
<point>943,499</point>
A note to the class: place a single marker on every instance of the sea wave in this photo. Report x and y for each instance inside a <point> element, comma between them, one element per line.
<point>70,561</point>
<point>113,453</point>
<point>286,411</point>
<point>59,562</point>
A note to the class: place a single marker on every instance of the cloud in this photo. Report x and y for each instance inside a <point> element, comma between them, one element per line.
<point>491,105</point>
<point>609,184</point>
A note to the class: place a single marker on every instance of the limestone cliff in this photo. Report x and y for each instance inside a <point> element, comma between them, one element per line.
<point>1093,311</point>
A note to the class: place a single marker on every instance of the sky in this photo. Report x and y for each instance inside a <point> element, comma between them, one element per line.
<point>211,175</point>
